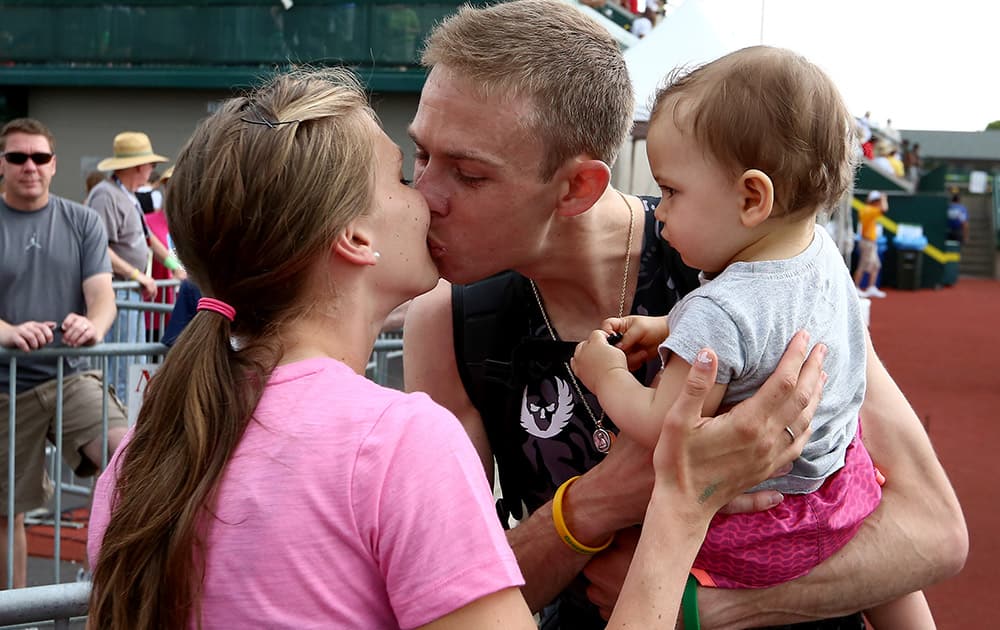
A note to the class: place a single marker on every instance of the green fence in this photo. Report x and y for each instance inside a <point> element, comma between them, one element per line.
<point>157,43</point>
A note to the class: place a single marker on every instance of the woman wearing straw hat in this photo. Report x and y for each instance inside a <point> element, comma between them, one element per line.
<point>129,239</point>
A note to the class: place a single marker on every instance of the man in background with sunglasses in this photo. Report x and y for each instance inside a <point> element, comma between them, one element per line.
<point>55,287</point>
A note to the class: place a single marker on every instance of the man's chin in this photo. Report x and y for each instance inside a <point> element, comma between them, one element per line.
<point>460,274</point>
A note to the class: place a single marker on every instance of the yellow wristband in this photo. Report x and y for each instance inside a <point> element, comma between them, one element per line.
<point>135,274</point>
<point>563,531</point>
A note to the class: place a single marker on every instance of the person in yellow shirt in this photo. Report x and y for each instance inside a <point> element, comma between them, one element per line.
<point>868,260</point>
<point>897,163</point>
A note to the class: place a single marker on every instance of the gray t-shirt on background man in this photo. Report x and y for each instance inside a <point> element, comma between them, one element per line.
<point>45,255</point>
<point>123,223</point>
<point>749,313</point>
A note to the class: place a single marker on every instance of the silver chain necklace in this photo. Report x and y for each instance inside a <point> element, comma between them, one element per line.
<point>603,439</point>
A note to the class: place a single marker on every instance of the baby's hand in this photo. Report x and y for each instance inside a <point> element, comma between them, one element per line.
<point>640,336</point>
<point>594,357</point>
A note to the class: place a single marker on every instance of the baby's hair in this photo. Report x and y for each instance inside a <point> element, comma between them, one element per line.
<point>772,110</point>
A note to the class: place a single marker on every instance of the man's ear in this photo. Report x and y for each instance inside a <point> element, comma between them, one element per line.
<point>585,182</point>
<point>354,245</point>
<point>757,197</point>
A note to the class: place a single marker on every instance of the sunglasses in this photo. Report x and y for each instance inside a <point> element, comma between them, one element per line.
<point>20,158</point>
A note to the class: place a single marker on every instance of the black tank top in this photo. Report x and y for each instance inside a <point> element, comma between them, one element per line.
<point>514,374</point>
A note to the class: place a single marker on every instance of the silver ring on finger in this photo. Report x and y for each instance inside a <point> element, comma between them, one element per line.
<point>790,433</point>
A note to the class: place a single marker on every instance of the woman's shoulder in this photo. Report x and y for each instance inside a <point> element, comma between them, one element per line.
<point>327,387</point>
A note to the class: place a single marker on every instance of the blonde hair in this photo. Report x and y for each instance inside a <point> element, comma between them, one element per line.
<point>260,191</point>
<point>568,67</point>
<point>772,110</point>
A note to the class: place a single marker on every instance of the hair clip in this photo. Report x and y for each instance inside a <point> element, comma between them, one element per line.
<point>264,121</point>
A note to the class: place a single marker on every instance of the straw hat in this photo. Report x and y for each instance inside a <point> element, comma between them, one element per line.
<point>131,148</point>
<point>167,174</point>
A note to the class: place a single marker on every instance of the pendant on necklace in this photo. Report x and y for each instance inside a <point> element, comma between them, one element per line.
<point>603,439</point>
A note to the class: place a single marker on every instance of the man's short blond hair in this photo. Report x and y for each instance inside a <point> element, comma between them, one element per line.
<point>769,109</point>
<point>564,63</point>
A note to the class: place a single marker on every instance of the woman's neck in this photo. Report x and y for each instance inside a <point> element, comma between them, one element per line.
<point>344,334</point>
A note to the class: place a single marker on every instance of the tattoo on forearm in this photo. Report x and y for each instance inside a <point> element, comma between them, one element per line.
<point>707,493</point>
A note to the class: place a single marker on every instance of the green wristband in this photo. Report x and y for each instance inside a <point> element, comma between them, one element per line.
<point>172,263</point>
<point>689,605</point>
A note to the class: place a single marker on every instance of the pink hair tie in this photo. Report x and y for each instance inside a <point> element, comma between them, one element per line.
<point>218,306</point>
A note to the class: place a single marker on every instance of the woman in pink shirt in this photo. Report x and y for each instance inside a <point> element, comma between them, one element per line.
<point>267,482</point>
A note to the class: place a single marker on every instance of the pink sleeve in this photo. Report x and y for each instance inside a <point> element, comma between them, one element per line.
<point>100,507</point>
<point>423,504</point>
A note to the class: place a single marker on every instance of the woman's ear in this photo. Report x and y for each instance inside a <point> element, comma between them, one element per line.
<point>757,197</point>
<point>585,182</point>
<point>354,245</point>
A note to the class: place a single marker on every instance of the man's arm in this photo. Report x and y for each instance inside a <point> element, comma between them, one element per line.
<point>166,258</point>
<point>125,270</point>
<point>88,329</point>
<point>915,538</point>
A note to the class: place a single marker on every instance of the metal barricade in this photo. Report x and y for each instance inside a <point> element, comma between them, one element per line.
<point>60,603</point>
<point>158,309</point>
<point>388,348</point>
<point>101,352</point>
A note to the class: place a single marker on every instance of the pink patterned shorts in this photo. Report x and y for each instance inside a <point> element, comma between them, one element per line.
<point>767,548</point>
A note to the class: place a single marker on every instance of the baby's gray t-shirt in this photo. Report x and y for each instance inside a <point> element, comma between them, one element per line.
<point>749,313</point>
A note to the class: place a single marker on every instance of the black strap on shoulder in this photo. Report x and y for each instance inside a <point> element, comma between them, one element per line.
<point>490,321</point>
<point>482,314</point>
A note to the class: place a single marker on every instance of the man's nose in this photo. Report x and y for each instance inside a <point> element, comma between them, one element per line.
<point>437,200</point>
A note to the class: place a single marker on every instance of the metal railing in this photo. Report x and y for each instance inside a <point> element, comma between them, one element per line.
<point>60,354</point>
<point>58,603</point>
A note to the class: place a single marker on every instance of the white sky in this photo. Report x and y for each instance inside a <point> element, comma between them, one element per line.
<point>924,64</point>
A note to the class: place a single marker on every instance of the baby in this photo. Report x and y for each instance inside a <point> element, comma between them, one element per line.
<point>747,150</point>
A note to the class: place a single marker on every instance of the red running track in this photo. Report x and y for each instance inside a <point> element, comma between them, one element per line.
<point>943,349</point>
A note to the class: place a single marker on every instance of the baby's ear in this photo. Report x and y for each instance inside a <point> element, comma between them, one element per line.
<point>757,193</point>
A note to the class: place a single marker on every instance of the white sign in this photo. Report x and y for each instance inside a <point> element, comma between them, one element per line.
<point>138,379</point>
<point>977,182</point>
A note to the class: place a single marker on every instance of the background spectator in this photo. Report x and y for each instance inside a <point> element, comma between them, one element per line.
<point>914,163</point>
<point>868,259</point>
<point>55,288</point>
<point>93,178</point>
<point>152,201</point>
<point>958,220</point>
